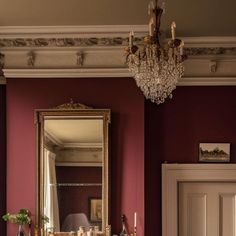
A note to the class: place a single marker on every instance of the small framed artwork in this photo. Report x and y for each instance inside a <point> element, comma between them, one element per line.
<point>95,209</point>
<point>214,152</point>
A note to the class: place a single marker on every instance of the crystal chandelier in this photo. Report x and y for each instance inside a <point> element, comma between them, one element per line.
<point>156,68</point>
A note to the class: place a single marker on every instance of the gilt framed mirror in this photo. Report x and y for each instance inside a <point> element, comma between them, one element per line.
<point>72,168</point>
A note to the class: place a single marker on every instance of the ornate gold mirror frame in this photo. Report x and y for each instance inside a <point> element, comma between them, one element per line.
<point>71,111</point>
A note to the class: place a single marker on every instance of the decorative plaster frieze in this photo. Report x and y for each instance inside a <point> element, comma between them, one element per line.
<point>80,58</point>
<point>12,43</point>
<point>206,51</point>
<point>65,42</point>
<point>97,51</point>
<point>31,58</point>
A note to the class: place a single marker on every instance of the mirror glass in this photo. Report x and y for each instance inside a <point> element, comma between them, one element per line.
<point>73,170</point>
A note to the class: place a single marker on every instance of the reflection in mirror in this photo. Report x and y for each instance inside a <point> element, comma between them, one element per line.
<point>73,166</point>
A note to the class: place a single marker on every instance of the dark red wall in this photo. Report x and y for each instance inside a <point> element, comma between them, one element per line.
<point>74,199</point>
<point>174,130</point>
<point>2,157</point>
<point>126,102</point>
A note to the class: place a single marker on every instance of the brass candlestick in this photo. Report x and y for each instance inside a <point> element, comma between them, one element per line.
<point>135,231</point>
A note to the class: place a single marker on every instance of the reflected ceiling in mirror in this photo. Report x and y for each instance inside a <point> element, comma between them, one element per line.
<point>77,142</point>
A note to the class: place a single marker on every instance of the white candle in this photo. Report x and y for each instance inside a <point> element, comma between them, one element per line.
<point>149,8</point>
<point>152,5</point>
<point>151,23</point>
<point>173,27</point>
<point>135,219</point>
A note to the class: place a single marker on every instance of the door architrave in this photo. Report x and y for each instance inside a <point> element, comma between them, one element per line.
<point>173,174</point>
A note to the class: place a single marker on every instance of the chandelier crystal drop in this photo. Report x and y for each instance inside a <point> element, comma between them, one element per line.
<point>156,68</point>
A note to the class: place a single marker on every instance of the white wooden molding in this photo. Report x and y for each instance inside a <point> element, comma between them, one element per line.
<point>207,81</point>
<point>210,41</point>
<point>172,174</point>
<point>98,51</point>
<point>109,73</point>
<point>67,73</point>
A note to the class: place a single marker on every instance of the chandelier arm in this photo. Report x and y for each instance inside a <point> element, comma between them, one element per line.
<point>158,13</point>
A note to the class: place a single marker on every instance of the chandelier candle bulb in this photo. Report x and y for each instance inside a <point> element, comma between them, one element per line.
<point>149,8</point>
<point>173,27</point>
<point>151,24</point>
<point>163,6</point>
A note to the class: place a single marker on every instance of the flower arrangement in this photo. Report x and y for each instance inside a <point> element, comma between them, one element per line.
<point>21,218</point>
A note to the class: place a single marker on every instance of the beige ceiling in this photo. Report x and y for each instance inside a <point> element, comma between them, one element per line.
<point>193,17</point>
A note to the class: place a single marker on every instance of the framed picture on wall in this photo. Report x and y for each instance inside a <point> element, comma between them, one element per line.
<point>214,152</point>
<point>95,209</point>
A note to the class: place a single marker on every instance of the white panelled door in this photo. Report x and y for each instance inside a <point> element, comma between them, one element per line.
<point>207,209</point>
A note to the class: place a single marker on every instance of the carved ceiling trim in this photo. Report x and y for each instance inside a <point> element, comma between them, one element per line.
<point>102,42</point>
<point>64,42</point>
<point>92,51</point>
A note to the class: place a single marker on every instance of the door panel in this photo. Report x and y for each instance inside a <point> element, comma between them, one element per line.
<point>227,214</point>
<point>207,209</point>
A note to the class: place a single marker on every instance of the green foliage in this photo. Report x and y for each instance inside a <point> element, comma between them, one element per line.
<point>21,218</point>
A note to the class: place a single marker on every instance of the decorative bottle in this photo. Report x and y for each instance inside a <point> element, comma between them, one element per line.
<point>124,231</point>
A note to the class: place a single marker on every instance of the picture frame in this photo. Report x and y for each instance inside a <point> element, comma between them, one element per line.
<point>95,209</point>
<point>214,152</point>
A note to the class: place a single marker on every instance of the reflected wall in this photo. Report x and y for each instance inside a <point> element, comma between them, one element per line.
<point>71,199</point>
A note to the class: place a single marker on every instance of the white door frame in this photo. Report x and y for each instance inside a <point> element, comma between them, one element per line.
<point>172,174</point>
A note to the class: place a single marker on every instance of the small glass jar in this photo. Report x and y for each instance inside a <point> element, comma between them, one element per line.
<point>91,231</point>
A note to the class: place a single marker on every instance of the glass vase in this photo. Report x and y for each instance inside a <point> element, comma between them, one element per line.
<point>20,231</point>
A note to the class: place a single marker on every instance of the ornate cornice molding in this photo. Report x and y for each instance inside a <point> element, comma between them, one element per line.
<point>101,42</point>
<point>64,42</point>
<point>97,51</point>
<point>206,51</point>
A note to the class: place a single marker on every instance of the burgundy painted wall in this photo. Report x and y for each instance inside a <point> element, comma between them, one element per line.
<point>2,157</point>
<point>174,130</point>
<point>126,102</point>
<point>76,199</point>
